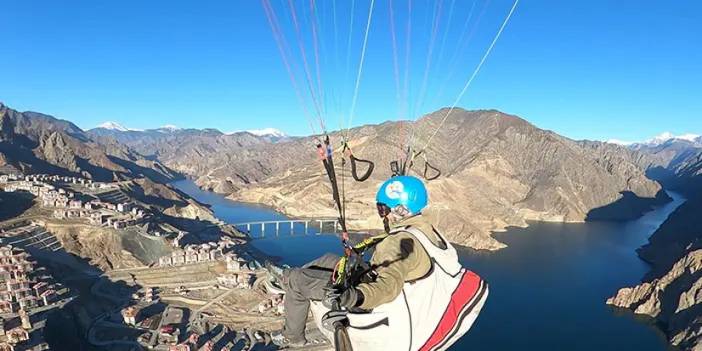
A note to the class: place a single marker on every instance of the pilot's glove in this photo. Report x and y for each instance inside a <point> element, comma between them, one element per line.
<point>348,298</point>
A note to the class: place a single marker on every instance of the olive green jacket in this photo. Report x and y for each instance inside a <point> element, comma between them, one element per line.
<point>397,259</point>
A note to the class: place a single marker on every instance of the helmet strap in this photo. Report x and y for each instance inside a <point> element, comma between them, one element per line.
<point>386,224</point>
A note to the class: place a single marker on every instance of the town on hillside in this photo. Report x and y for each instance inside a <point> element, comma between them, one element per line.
<point>203,292</point>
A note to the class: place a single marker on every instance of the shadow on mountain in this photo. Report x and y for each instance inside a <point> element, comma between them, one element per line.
<point>670,180</point>
<point>682,231</point>
<point>629,206</point>
<point>679,234</point>
<point>97,173</point>
<point>670,297</point>
<point>24,141</point>
<point>14,204</point>
<point>166,176</point>
<point>687,319</point>
<point>137,191</point>
<point>69,328</point>
<point>20,153</point>
<point>25,158</point>
<point>662,175</point>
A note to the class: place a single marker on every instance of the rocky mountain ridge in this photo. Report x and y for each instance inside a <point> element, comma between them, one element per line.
<point>665,137</point>
<point>498,171</point>
<point>38,143</point>
<point>201,152</point>
<point>673,300</point>
<point>141,140</point>
<point>671,292</point>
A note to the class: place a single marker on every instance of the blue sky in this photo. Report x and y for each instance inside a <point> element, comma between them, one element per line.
<point>586,69</point>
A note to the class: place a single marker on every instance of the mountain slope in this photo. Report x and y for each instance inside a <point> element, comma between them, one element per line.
<point>498,171</point>
<point>682,231</point>
<point>206,153</point>
<point>38,143</point>
<point>672,291</point>
<point>672,162</point>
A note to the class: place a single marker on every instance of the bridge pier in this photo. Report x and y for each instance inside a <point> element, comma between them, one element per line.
<point>317,226</point>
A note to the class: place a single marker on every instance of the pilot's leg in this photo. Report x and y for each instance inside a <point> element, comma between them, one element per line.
<point>302,285</point>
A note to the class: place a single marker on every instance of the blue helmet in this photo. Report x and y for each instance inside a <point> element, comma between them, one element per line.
<point>407,191</point>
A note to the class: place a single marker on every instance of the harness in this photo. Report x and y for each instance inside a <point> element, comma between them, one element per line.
<point>337,321</point>
<point>340,276</point>
<point>325,152</point>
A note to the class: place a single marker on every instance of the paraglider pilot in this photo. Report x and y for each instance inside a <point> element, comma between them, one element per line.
<point>397,259</point>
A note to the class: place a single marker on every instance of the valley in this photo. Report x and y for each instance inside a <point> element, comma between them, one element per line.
<point>671,292</point>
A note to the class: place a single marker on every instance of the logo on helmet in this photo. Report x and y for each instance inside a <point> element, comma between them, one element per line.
<point>394,190</point>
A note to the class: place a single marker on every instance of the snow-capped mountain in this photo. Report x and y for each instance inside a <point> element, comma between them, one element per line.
<point>268,132</point>
<point>620,142</point>
<point>667,136</point>
<point>113,126</point>
<point>661,139</point>
<point>668,149</point>
<point>168,128</point>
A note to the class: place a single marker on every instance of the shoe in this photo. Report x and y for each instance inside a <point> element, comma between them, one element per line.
<point>284,342</point>
<point>276,271</point>
<point>275,284</point>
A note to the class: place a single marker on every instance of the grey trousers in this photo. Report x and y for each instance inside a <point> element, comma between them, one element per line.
<point>302,285</point>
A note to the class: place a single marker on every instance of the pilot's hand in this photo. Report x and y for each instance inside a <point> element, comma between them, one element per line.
<point>346,297</point>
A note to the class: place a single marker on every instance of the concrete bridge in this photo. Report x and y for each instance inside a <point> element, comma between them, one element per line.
<point>291,227</point>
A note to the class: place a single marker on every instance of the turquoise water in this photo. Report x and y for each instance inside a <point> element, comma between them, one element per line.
<point>547,288</point>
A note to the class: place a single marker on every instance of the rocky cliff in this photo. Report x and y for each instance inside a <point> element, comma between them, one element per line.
<point>498,171</point>
<point>673,163</point>
<point>674,300</point>
<point>682,231</point>
<point>672,291</point>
